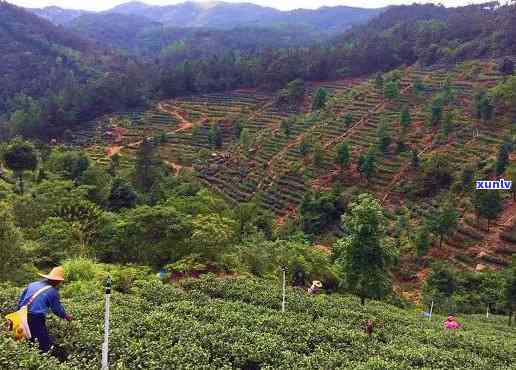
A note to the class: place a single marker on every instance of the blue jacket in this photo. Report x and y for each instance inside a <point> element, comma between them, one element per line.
<point>49,299</point>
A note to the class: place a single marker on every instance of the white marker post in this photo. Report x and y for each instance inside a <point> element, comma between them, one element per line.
<point>431,309</point>
<point>105,345</point>
<point>284,269</point>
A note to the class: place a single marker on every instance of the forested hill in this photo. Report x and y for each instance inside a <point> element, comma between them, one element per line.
<point>36,56</point>
<point>328,20</point>
<point>142,36</point>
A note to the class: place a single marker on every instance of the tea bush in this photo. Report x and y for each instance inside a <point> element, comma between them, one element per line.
<point>213,323</point>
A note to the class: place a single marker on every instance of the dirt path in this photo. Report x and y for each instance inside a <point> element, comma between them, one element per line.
<point>184,124</point>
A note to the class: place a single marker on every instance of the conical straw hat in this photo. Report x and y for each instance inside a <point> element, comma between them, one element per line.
<point>57,274</point>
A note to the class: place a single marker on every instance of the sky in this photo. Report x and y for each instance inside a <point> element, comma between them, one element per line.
<point>279,4</point>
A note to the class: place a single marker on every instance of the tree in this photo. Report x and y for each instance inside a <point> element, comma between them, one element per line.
<point>342,156</point>
<point>364,255</point>
<point>422,241</point>
<point>392,89</point>
<point>417,86</point>
<point>384,139</point>
<point>293,92</point>
<point>507,67</point>
<point>367,164</point>
<point>122,195</point>
<point>318,156</point>
<point>414,159</point>
<point>502,160</point>
<point>483,107</point>
<point>305,146</point>
<point>70,164</point>
<point>245,139</point>
<point>98,182</point>
<point>443,221</point>
<point>152,235</point>
<point>511,174</point>
<point>378,81</point>
<point>405,118</point>
<point>488,204</point>
<point>114,164</point>
<point>319,100</point>
<point>20,156</point>
<point>212,234</point>
<point>348,119</point>
<point>435,112</point>
<point>11,251</point>
<point>245,215</point>
<point>448,123</point>
<point>147,166</point>
<point>510,289</point>
<point>504,94</point>
<point>215,136</point>
<point>286,127</point>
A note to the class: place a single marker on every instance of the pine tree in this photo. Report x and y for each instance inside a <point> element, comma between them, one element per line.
<point>320,99</point>
<point>502,160</point>
<point>364,254</point>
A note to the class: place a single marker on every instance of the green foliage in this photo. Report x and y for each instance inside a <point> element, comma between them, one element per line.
<point>153,235</point>
<point>148,166</point>
<point>342,156</point>
<point>364,255</point>
<point>444,221</point>
<point>215,136</point>
<point>378,81</point>
<point>367,163</point>
<point>122,195</point>
<point>20,156</point>
<point>319,210</point>
<point>12,253</point>
<point>69,164</point>
<point>502,159</point>
<point>319,100</point>
<point>405,118</point>
<point>422,241</point>
<point>383,137</point>
<point>488,204</point>
<point>483,107</point>
<point>462,291</point>
<point>212,234</point>
<point>392,90</point>
<point>237,323</point>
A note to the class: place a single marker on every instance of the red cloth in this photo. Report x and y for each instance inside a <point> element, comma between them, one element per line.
<point>451,324</point>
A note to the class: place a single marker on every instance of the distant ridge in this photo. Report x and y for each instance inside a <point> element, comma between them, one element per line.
<point>225,15</point>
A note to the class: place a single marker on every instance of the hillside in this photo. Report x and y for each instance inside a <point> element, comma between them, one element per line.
<point>141,36</point>
<point>287,171</point>
<point>57,15</point>
<point>30,48</point>
<point>237,323</point>
<point>221,15</point>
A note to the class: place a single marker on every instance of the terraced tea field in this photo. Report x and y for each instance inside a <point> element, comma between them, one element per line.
<point>277,164</point>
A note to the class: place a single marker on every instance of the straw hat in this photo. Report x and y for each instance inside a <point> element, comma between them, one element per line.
<point>57,274</point>
<point>317,284</point>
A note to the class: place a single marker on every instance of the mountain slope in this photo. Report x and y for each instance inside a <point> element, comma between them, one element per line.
<point>57,15</point>
<point>35,54</point>
<point>326,20</point>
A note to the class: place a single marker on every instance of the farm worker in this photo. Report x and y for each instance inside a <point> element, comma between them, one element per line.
<point>47,298</point>
<point>451,323</point>
<point>369,327</point>
<point>316,285</point>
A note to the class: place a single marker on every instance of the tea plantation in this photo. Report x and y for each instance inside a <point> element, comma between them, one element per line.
<point>237,323</point>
